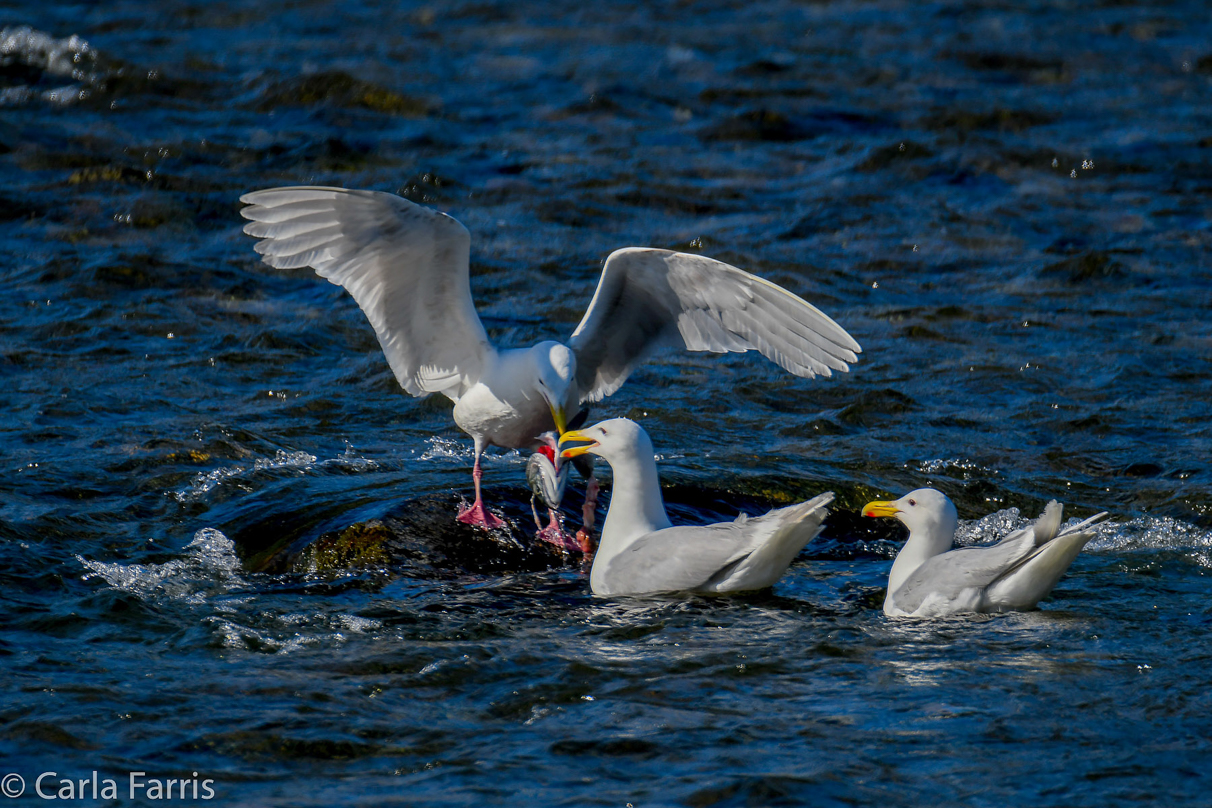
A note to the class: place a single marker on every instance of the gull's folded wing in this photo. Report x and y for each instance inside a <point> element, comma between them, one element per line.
<point>405,265</point>
<point>677,559</point>
<point>648,298</point>
<point>957,573</point>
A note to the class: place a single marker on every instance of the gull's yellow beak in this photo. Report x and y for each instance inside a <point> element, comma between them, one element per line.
<point>574,451</point>
<point>560,417</point>
<point>879,508</point>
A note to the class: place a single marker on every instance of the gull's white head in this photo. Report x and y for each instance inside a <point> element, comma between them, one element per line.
<point>555,372</point>
<point>616,439</point>
<point>926,512</point>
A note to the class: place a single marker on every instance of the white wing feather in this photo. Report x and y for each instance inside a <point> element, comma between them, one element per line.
<point>406,266</point>
<point>647,298</point>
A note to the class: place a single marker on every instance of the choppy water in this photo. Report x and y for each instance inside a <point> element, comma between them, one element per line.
<point>1008,207</point>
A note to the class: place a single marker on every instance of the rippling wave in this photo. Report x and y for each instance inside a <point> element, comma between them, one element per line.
<point>226,536</point>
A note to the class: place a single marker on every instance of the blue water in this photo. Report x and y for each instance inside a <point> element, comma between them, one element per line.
<point>226,535</point>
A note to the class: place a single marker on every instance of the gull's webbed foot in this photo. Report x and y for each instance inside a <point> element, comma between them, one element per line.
<point>555,534</point>
<point>477,515</point>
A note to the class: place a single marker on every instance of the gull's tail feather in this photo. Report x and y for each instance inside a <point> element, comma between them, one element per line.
<point>1029,581</point>
<point>1048,524</point>
<point>795,526</point>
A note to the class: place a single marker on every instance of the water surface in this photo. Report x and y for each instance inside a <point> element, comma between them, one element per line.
<point>226,539</point>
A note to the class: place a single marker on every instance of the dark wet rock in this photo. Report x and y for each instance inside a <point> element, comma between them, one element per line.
<point>132,272</point>
<point>1068,245</point>
<point>762,90</point>
<point>340,89</point>
<point>875,403</point>
<point>12,209</point>
<point>572,215</point>
<point>770,125</point>
<point>964,121</point>
<point>1017,65</point>
<point>595,104</point>
<point>765,67</point>
<point>1091,423</point>
<point>956,313</point>
<point>421,535</point>
<point>922,332</point>
<point>44,733</point>
<point>258,745</point>
<point>1087,267</point>
<point>760,124</point>
<point>893,153</point>
<point>155,210</point>
<point>670,200</point>
<point>1142,470</point>
<point>614,747</point>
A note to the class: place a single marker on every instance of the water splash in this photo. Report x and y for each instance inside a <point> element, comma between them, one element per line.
<point>350,461</point>
<point>204,482</point>
<point>1151,533</point>
<point>961,464</point>
<point>289,632</point>
<point>1140,533</point>
<point>439,448</point>
<point>210,567</point>
<point>69,58</point>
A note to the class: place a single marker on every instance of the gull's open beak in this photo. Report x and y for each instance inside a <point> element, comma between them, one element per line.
<point>575,451</point>
<point>879,508</point>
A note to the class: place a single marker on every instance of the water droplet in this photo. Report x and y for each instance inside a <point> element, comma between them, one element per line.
<point>1073,174</point>
<point>1087,164</point>
<point>1055,162</point>
<point>875,284</point>
<point>915,248</point>
<point>902,148</point>
<point>171,335</point>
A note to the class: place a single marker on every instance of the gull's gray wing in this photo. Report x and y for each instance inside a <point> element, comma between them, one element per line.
<point>962,574</point>
<point>678,559</point>
<point>647,298</point>
<point>405,265</point>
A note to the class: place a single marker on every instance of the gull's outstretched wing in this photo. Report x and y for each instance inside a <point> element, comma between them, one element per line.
<point>647,298</point>
<point>405,265</point>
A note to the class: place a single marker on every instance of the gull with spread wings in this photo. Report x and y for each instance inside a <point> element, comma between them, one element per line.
<point>407,267</point>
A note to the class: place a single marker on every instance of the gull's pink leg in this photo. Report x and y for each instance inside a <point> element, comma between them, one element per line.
<point>477,515</point>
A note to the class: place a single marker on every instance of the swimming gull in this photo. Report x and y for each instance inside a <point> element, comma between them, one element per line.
<point>640,552</point>
<point>407,267</point>
<point>930,579</point>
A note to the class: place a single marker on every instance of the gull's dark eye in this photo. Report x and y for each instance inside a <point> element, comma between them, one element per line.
<point>604,432</point>
<point>913,502</point>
